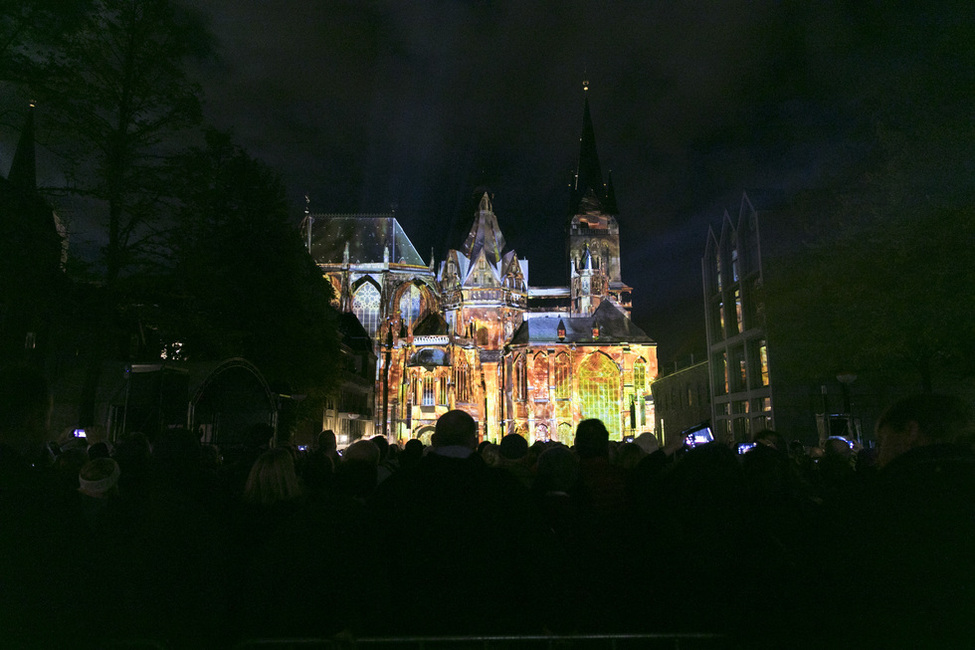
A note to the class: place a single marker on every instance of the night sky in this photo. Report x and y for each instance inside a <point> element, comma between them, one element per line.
<point>368,105</point>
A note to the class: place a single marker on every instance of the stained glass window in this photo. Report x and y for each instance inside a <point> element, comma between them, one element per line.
<point>521,379</point>
<point>462,381</point>
<point>540,375</point>
<point>562,379</point>
<point>365,305</point>
<point>639,376</point>
<point>599,392</point>
<point>409,305</point>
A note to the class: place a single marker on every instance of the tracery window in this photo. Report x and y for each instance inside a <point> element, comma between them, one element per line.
<point>562,378</point>
<point>520,379</point>
<point>599,392</point>
<point>365,305</point>
<point>428,391</point>
<point>540,375</point>
<point>462,381</point>
<point>409,305</point>
<point>640,376</point>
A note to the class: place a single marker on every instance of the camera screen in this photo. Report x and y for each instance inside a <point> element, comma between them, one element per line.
<point>700,436</point>
<point>745,447</point>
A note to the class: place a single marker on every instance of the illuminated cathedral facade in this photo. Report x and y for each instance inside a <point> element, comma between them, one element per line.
<point>471,333</point>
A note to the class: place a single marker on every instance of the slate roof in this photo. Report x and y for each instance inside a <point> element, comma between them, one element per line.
<point>432,324</point>
<point>368,238</point>
<point>485,234</point>
<point>614,327</point>
<point>429,357</point>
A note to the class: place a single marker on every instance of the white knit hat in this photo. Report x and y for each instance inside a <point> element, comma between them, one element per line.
<point>98,476</point>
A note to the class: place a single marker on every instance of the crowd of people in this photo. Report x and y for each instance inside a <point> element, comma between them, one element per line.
<point>159,536</point>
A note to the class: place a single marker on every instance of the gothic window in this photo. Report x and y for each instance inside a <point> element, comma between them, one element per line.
<point>409,305</point>
<point>365,305</point>
<point>563,433</point>
<point>427,391</point>
<point>442,390</point>
<point>540,375</point>
<point>640,376</point>
<point>521,379</point>
<point>599,391</point>
<point>462,380</point>
<point>562,379</point>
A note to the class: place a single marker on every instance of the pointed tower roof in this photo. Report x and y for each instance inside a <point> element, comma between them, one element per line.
<point>589,174</point>
<point>485,235</point>
<point>23,169</point>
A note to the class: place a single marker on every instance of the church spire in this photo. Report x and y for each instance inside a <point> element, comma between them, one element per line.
<point>23,169</point>
<point>589,175</point>
<point>485,235</point>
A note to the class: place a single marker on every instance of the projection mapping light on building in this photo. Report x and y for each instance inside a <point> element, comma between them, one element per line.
<point>473,334</point>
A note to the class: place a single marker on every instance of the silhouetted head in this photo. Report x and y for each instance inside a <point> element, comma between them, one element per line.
<point>326,441</point>
<point>557,470</point>
<point>455,428</point>
<point>592,439</point>
<point>362,451</point>
<point>98,478</point>
<point>922,420</point>
<point>513,447</point>
<point>772,439</point>
<point>272,478</point>
<point>382,444</point>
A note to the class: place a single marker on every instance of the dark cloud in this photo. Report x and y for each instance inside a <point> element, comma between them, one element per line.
<point>364,105</point>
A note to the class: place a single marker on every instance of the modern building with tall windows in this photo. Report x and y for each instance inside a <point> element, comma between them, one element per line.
<point>741,386</point>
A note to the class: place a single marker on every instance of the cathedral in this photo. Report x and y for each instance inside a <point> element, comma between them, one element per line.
<point>472,333</point>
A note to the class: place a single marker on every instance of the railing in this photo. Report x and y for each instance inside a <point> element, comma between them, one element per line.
<point>567,642</point>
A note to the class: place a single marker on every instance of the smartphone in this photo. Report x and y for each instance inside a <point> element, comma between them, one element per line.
<point>78,433</point>
<point>745,447</point>
<point>698,436</point>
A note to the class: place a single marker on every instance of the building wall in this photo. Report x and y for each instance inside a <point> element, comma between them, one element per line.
<point>682,400</point>
<point>741,385</point>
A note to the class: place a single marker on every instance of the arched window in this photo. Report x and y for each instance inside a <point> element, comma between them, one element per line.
<point>564,433</point>
<point>365,305</point>
<point>462,381</point>
<point>520,379</point>
<point>540,375</point>
<point>599,391</point>
<point>563,386</point>
<point>640,376</point>
<point>428,390</point>
<point>409,305</point>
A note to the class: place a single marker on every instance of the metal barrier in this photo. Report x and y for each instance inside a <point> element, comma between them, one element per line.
<point>568,642</point>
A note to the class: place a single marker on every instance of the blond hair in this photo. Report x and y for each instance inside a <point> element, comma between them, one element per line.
<point>272,478</point>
